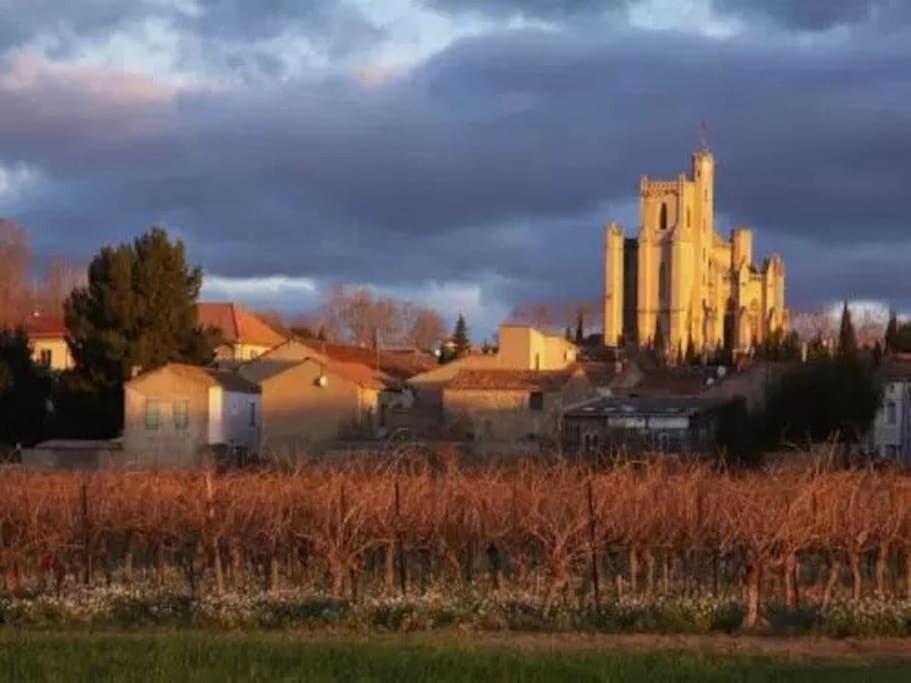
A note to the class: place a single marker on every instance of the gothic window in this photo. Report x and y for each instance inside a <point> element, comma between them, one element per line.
<point>662,221</point>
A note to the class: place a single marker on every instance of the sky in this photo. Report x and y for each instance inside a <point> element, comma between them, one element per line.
<point>460,154</point>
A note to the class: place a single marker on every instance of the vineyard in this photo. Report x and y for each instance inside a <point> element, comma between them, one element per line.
<point>563,534</point>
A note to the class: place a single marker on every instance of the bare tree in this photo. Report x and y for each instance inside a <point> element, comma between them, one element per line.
<point>15,260</point>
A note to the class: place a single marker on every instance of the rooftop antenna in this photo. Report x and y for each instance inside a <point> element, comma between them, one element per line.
<point>703,136</point>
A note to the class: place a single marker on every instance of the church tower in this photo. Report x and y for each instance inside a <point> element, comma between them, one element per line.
<point>690,286</point>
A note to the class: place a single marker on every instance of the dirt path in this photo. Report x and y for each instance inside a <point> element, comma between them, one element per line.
<point>800,647</point>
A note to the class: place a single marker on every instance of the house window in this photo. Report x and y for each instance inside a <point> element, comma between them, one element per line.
<point>44,357</point>
<point>891,410</point>
<point>252,414</point>
<point>892,451</point>
<point>153,413</point>
<point>181,414</point>
<point>687,216</point>
<point>536,400</point>
<point>537,361</point>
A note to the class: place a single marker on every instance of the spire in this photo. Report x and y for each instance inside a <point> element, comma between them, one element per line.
<point>703,136</point>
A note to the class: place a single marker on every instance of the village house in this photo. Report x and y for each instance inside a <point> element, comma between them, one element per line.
<point>496,406</point>
<point>243,335</point>
<point>186,415</point>
<point>47,335</point>
<point>521,347</point>
<point>636,423</point>
<point>890,433</point>
<point>312,399</point>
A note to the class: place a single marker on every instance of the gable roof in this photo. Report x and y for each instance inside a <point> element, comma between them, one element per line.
<point>509,380</point>
<point>237,324</point>
<point>45,326</point>
<point>400,364</point>
<point>361,375</point>
<point>229,381</point>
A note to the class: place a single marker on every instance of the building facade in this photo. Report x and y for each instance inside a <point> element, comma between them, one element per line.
<point>679,281</point>
<point>47,336</point>
<point>185,415</point>
<point>890,434</point>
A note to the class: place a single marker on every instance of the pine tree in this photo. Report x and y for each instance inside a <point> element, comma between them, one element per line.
<point>580,329</point>
<point>460,340</point>
<point>24,391</point>
<point>891,336</point>
<point>138,310</point>
<point>847,339</point>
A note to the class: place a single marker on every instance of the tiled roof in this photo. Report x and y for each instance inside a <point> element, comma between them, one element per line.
<point>674,381</point>
<point>45,325</point>
<point>399,364</point>
<point>509,380</point>
<point>237,324</point>
<point>229,381</point>
<point>664,406</point>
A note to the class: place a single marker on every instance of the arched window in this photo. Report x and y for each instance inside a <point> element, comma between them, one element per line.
<point>662,220</point>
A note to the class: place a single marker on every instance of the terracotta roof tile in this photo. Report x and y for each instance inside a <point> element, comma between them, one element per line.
<point>45,325</point>
<point>237,324</point>
<point>509,380</point>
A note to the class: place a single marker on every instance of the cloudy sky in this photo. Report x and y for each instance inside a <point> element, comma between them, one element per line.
<point>458,156</point>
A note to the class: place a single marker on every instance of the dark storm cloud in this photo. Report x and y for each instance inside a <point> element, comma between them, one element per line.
<point>225,28</point>
<point>815,15</point>
<point>498,159</point>
<point>536,9</point>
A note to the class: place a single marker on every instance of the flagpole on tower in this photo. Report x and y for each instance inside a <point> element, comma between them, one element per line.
<point>704,136</point>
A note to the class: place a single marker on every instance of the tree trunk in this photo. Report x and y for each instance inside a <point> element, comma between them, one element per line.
<point>882,557</point>
<point>753,582</point>
<point>217,568</point>
<point>633,570</point>
<point>854,559</point>
<point>649,557</point>
<point>832,579</point>
<point>789,567</point>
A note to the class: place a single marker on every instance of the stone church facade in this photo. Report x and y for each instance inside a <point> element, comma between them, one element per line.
<point>680,281</point>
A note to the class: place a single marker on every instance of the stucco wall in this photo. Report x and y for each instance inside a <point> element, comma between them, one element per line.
<point>61,359</point>
<point>506,415</point>
<point>165,446</point>
<point>297,411</point>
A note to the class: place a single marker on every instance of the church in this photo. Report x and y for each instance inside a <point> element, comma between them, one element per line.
<point>679,282</point>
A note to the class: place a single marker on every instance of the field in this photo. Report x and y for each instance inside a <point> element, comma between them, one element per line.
<point>415,546</point>
<point>200,656</point>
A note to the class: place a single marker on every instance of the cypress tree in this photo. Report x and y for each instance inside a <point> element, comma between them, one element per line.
<point>580,329</point>
<point>460,337</point>
<point>847,339</point>
<point>891,336</point>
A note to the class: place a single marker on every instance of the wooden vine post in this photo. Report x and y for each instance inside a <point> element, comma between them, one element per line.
<point>593,545</point>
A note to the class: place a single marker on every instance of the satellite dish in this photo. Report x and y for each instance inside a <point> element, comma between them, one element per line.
<point>721,371</point>
<point>322,381</point>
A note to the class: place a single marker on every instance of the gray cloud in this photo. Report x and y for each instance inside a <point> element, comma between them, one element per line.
<point>533,9</point>
<point>495,161</point>
<point>814,15</point>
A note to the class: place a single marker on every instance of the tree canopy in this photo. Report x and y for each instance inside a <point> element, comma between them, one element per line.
<point>138,311</point>
<point>460,339</point>
<point>24,391</point>
<point>819,400</point>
